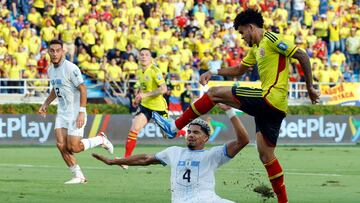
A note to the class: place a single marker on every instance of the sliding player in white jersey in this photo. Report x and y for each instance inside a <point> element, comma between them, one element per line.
<point>68,88</point>
<point>193,168</point>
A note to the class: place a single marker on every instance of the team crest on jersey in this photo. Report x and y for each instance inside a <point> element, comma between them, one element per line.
<point>75,73</point>
<point>159,76</point>
<point>146,78</point>
<point>56,82</point>
<point>262,52</point>
<point>282,46</point>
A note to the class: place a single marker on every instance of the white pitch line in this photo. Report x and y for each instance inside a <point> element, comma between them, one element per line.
<point>314,174</point>
<point>3,165</point>
<point>48,166</point>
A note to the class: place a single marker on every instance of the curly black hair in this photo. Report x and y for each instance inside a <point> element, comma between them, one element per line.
<point>203,125</point>
<point>249,16</point>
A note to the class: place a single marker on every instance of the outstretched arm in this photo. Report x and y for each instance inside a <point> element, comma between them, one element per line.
<point>135,160</point>
<point>303,58</point>
<point>242,136</point>
<point>237,71</point>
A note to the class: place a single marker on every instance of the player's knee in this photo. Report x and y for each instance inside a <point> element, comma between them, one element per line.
<point>74,148</point>
<point>61,146</point>
<point>265,157</point>
<point>213,93</point>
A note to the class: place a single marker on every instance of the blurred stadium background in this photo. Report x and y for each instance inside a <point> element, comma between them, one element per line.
<point>187,38</point>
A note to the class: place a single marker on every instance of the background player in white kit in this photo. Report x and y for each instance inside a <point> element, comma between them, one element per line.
<point>68,88</point>
<point>192,168</point>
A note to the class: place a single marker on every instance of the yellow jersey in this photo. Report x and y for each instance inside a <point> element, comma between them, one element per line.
<point>337,58</point>
<point>152,23</point>
<point>83,59</point>
<point>324,75</point>
<point>335,75</point>
<point>219,10</point>
<point>334,33</point>
<point>89,38</point>
<point>31,74</point>
<point>3,51</point>
<point>108,39</point>
<point>272,58</point>
<point>47,33</point>
<point>21,58</point>
<point>163,66</point>
<point>39,4</point>
<point>15,72</point>
<point>98,50</point>
<point>130,67</point>
<point>178,88</point>
<point>186,54</point>
<point>68,35</point>
<point>13,45</point>
<point>115,72</point>
<point>35,18</point>
<point>150,80</point>
<point>93,68</point>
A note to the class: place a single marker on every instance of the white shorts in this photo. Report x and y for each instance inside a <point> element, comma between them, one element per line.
<point>211,199</point>
<point>70,124</point>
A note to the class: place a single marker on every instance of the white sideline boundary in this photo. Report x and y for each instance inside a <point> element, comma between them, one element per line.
<point>237,170</point>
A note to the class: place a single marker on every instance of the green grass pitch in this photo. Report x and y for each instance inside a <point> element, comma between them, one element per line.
<point>312,174</point>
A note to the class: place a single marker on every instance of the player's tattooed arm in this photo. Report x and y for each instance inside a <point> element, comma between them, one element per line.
<point>162,89</point>
<point>242,137</point>
<point>304,61</point>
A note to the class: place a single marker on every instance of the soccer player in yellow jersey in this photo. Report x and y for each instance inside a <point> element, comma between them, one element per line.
<point>150,97</point>
<point>267,105</point>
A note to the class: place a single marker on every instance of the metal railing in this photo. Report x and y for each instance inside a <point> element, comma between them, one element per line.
<point>117,91</point>
<point>23,86</point>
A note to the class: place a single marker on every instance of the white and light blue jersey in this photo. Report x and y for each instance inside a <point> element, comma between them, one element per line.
<point>64,80</point>
<point>192,171</point>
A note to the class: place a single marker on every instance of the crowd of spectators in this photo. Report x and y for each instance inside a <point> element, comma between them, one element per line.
<point>187,37</point>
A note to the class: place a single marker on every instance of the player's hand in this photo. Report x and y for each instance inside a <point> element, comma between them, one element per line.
<point>101,158</point>
<point>80,120</point>
<point>314,95</point>
<point>204,78</point>
<point>138,98</point>
<point>223,107</point>
<point>43,110</point>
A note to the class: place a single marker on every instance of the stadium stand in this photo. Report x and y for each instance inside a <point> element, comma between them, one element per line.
<point>187,37</point>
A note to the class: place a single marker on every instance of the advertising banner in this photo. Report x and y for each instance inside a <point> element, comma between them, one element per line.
<point>34,129</point>
<point>343,94</point>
